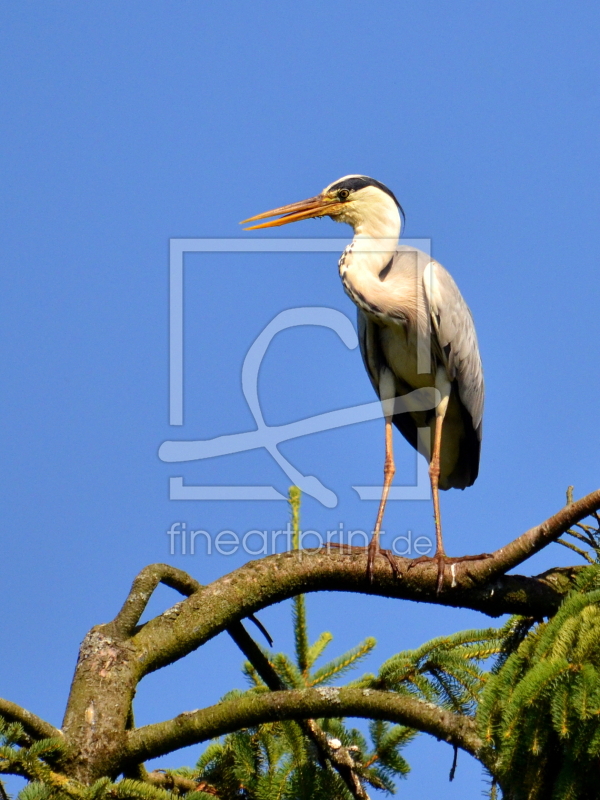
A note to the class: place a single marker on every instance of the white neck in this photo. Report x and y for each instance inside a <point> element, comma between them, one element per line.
<point>375,218</point>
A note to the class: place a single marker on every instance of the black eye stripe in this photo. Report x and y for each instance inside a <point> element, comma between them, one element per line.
<point>359,182</point>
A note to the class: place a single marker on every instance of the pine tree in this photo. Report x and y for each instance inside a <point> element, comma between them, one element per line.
<point>539,712</point>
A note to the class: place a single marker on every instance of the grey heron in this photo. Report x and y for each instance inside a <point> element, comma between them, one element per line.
<point>405,298</point>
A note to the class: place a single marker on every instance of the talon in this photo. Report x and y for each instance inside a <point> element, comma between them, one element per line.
<point>441,559</point>
<point>441,573</point>
<point>372,551</point>
<point>370,560</point>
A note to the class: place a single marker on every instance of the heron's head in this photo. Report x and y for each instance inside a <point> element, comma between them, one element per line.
<point>366,204</point>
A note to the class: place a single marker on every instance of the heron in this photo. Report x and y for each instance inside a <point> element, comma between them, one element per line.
<point>404,298</point>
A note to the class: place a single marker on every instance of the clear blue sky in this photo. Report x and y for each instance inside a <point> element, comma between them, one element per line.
<point>124,125</point>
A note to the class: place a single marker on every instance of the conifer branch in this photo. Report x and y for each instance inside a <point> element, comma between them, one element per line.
<point>33,726</point>
<point>177,783</point>
<point>298,602</point>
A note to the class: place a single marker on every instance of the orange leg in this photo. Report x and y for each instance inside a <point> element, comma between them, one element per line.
<point>434,476</point>
<point>389,470</point>
<point>440,556</point>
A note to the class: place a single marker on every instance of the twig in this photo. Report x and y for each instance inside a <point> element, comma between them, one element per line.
<point>262,629</point>
<point>585,528</point>
<point>454,763</point>
<point>578,550</point>
<point>582,537</point>
<point>570,495</point>
<point>535,539</point>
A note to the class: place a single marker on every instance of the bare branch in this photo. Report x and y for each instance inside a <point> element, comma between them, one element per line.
<point>582,538</point>
<point>576,549</point>
<point>262,583</point>
<point>298,704</point>
<point>535,539</point>
<point>141,591</point>
<point>339,758</point>
<point>34,726</point>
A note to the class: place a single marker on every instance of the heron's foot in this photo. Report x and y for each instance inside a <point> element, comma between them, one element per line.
<point>372,550</point>
<point>442,560</point>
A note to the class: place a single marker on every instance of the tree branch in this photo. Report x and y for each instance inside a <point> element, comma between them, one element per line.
<point>478,584</point>
<point>253,709</point>
<point>339,758</point>
<point>258,584</point>
<point>34,726</point>
<point>535,539</point>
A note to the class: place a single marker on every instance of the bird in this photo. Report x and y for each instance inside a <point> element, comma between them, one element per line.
<point>415,331</point>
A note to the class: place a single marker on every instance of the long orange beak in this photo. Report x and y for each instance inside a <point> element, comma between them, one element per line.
<point>306,209</point>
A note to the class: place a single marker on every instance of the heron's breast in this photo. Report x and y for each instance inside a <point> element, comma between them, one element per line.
<point>360,298</point>
<point>399,347</point>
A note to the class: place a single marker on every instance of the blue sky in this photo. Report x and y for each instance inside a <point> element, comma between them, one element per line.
<point>125,125</point>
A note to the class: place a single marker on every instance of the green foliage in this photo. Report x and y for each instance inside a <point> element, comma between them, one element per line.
<point>539,712</point>
<point>278,760</point>
<point>444,671</point>
<point>36,791</point>
<point>128,789</point>
<point>39,762</point>
<point>32,760</point>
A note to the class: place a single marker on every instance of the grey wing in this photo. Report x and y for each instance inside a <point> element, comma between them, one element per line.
<point>369,349</point>
<point>454,331</point>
